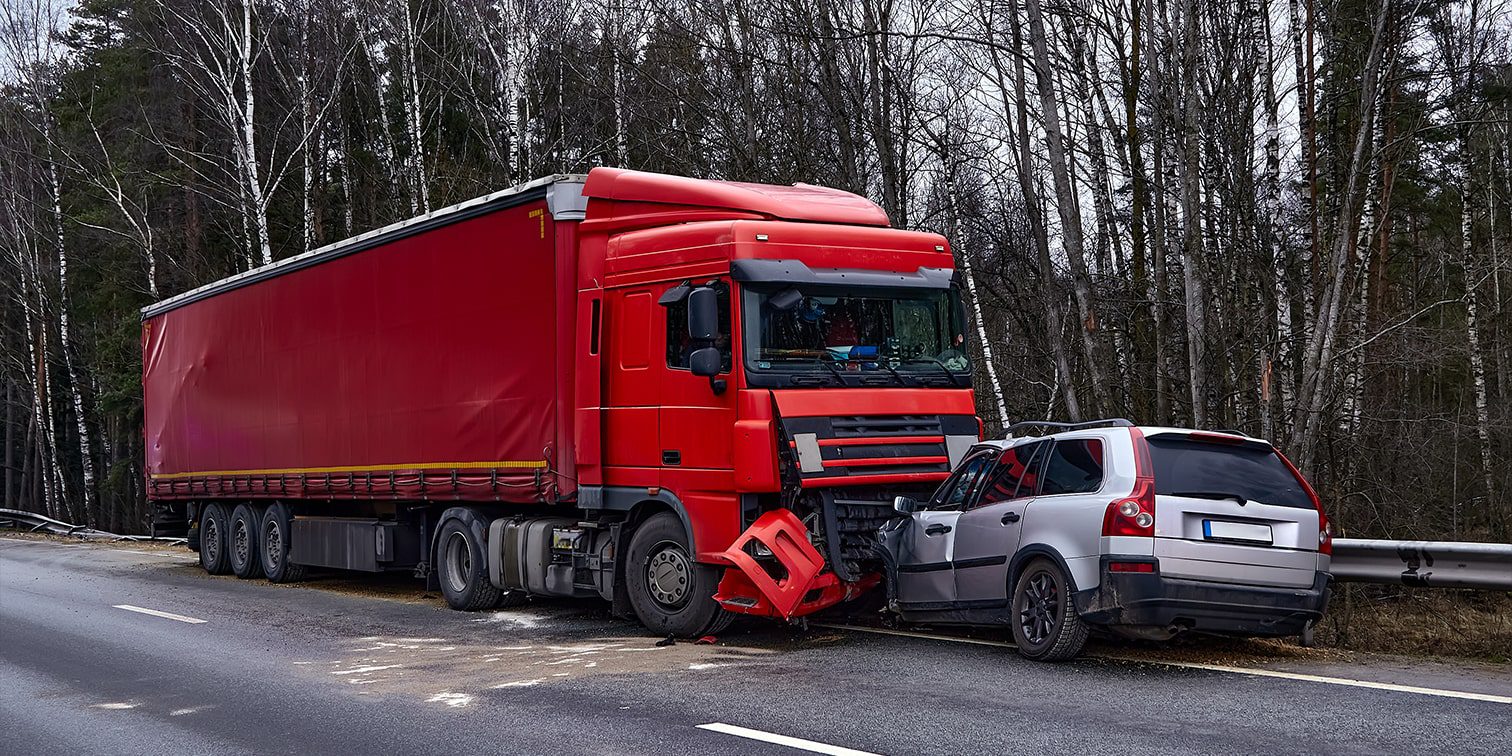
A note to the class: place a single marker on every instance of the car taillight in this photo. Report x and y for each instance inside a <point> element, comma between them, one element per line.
<point>1325,528</point>
<point>1131,567</point>
<point>1134,515</point>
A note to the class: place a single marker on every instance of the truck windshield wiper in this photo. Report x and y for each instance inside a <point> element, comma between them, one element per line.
<point>1211,495</point>
<point>839,376</point>
<point>954,380</point>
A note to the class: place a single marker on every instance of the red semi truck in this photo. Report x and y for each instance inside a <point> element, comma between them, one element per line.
<point>692,398</point>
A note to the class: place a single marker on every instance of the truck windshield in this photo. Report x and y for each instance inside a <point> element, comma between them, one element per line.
<point>839,331</point>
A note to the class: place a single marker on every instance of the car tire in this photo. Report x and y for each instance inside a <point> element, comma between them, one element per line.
<point>242,536</point>
<point>274,545</point>
<point>462,566</point>
<point>212,539</point>
<point>671,593</point>
<point>1045,624</point>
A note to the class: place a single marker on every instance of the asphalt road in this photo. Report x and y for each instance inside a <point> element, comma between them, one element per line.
<point>380,668</point>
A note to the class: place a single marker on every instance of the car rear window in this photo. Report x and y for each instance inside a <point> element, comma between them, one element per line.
<point>1183,465</point>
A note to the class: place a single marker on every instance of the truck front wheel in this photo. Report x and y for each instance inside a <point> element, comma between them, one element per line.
<point>671,593</point>
<point>463,565</point>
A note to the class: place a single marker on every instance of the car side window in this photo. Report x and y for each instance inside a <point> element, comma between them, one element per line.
<point>1014,476</point>
<point>1074,466</point>
<point>960,487</point>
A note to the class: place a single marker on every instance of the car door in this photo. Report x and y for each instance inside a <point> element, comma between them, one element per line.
<point>987,532</point>
<point>925,577</point>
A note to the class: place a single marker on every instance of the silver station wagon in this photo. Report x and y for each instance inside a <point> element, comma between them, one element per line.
<point>1141,531</point>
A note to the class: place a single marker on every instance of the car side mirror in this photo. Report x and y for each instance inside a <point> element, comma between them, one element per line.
<point>703,314</point>
<point>905,504</point>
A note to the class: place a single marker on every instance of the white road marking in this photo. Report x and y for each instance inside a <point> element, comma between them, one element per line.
<point>164,615</point>
<point>44,543</point>
<point>1466,695</point>
<point>115,706</point>
<point>1301,677</point>
<point>813,746</point>
<point>154,554</point>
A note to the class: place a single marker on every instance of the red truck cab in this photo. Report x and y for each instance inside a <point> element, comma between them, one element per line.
<point>691,397</point>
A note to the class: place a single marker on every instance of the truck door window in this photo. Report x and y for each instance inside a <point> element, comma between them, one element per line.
<point>679,346</point>
<point>1074,466</point>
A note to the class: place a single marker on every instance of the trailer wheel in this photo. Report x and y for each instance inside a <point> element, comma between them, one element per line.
<point>241,541</point>
<point>671,593</point>
<point>212,540</point>
<point>274,540</point>
<point>463,567</point>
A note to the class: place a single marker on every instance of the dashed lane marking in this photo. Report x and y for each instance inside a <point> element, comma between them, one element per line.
<point>1298,676</point>
<point>164,615</point>
<point>812,746</point>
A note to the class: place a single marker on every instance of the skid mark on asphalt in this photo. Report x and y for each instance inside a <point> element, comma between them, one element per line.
<point>812,746</point>
<point>1251,671</point>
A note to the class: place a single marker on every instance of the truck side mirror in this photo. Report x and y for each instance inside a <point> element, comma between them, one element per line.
<point>905,504</point>
<point>705,361</point>
<point>703,314</point>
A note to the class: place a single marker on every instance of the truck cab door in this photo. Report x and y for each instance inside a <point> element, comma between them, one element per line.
<point>697,414</point>
<point>925,544</point>
<point>987,534</point>
<point>631,393</point>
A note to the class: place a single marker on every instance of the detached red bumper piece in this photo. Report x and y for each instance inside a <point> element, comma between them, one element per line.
<point>794,586</point>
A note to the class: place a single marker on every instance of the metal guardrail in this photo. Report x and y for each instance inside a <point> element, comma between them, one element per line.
<point>1423,564</point>
<point>36,523</point>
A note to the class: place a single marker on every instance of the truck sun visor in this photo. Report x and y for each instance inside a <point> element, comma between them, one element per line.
<point>795,271</point>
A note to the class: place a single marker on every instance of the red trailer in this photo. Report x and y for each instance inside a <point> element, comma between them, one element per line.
<point>689,397</point>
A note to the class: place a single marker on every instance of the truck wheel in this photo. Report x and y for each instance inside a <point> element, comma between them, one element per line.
<point>463,565</point>
<point>1046,626</point>
<point>671,593</point>
<point>274,540</point>
<point>241,541</point>
<point>212,540</point>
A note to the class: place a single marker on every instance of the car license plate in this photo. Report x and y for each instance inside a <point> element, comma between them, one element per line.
<point>1223,530</point>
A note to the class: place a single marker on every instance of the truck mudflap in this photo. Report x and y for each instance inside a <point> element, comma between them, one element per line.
<point>795,586</point>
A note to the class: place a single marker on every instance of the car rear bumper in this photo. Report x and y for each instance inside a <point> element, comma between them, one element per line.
<point>1151,599</point>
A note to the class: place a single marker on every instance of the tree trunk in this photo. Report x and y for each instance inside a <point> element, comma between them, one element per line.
<point>1068,206</point>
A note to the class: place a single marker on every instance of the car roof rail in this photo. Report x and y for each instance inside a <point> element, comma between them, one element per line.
<point>1114,422</point>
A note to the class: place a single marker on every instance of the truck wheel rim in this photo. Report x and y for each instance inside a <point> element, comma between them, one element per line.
<point>1039,608</point>
<point>240,537</point>
<point>273,544</point>
<point>668,574</point>
<point>211,537</point>
<point>458,562</point>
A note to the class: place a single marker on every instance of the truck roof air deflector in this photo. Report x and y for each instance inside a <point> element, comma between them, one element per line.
<point>796,272</point>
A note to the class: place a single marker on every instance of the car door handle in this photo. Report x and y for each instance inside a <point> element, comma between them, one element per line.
<point>1010,517</point>
<point>936,529</point>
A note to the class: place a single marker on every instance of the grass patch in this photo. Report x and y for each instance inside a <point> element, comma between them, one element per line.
<point>1437,622</point>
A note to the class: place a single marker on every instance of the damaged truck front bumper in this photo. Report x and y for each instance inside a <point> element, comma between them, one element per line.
<point>791,582</point>
<point>1151,600</point>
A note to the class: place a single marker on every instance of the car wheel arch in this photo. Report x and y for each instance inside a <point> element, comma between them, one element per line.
<point>1027,554</point>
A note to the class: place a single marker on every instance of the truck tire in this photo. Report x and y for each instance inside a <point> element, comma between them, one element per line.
<point>671,593</point>
<point>212,539</point>
<point>1045,624</point>
<point>274,545</point>
<point>242,541</point>
<point>462,565</point>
